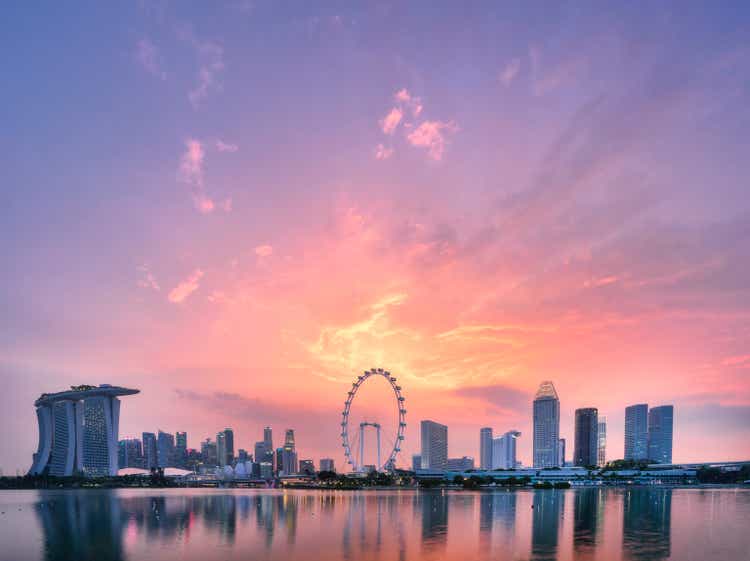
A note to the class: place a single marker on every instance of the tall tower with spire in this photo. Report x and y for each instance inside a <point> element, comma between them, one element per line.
<point>546,426</point>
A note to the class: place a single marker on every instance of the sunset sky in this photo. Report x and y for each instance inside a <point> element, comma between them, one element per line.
<point>236,208</point>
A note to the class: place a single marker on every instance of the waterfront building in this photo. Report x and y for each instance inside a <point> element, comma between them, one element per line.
<point>266,470</point>
<point>546,426</point>
<point>504,450</point>
<point>229,446</point>
<point>307,467</point>
<point>78,431</point>
<point>561,452</point>
<point>416,462</point>
<point>180,451</point>
<point>130,453</point>
<point>268,439</point>
<point>460,464</point>
<point>660,426</point>
<point>165,449</point>
<point>326,464</point>
<point>602,436</point>
<point>150,457</point>
<point>434,443</point>
<point>221,449</point>
<point>485,448</point>
<point>209,452</point>
<point>636,432</point>
<point>586,442</point>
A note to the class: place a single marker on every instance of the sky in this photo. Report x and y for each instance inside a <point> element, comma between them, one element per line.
<point>238,207</point>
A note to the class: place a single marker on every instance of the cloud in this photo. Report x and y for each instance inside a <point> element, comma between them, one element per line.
<point>263,250</point>
<point>222,146</point>
<point>185,288</point>
<point>147,279</point>
<point>383,152</point>
<point>210,57</point>
<point>510,72</point>
<point>432,136</point>
<point>389,123</point>
<point>500,396</point>
<point>603,281</point>
<point>147,54</point>
<point>742,361</point>
<point>191,171</point>
<point>405,99</point>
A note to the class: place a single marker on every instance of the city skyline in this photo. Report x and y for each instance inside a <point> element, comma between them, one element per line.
<point>238,211</point>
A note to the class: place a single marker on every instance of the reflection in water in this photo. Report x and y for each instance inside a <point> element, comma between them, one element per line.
<point>588,507</point>
<point>548,507</point>
<point>647,521</point>
<point>502,525</point>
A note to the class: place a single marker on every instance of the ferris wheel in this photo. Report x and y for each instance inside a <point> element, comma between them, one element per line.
<point>357,463</point>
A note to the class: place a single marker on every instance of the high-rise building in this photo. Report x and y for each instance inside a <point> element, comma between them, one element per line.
<point>416,462</point>
<point>221,449</point>
<point>229,446</point>
<point>504,450</point>
<point>326,464</point>
<point>546,426</point>
<point>266,470</point>
<point>130,453</point>
<point>180,451</point>
<point>434,442</point>
<point>307,467</point>
<point>78,431</point>
<point>485,448</point>
<point>660,427</point>
<point>165,449</point>
<point>602,436</point>
<point>636,432</point>
<point>242,456</point>
<point>268,439</point>
<point>279,460</point>
<point>464,463</point>
<point>150,456</point>
<point>209,453</point>
<point>586,444</point>
<point>561,452</point>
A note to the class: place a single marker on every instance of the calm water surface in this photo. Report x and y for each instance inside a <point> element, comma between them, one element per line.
<point>206,525</point>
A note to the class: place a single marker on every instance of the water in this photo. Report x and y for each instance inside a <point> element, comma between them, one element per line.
<point>187,524</point>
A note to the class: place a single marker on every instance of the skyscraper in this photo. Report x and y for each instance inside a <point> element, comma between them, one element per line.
<point>660,425</point>
<point>561,452</point>
<point>602,436</point>
<point>585,449</point>
<point>165,449</point>
<point>504,450</point>
<point>221,449</point>
<point>130,453</point>
<point>485,448</point>
<point>229,446</point>
<point>636,432</point>
<point>416,462</point>
<point>78,431</point>
<point>546,426</point>
<point>434,442</point>
<point>326,464</point>
<point>289,454</point>
<point>209,453</point>
<point>150,456</point>
<point>180,451</point>
<point>268,439</point>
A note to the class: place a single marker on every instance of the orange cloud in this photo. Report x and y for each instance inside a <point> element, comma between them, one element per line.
<point>432,136</point>
<point>185,288</point>
<point>383,152</point>
<point>389,123</point>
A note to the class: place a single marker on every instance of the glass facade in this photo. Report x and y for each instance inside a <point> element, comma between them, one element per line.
<point>546,426</point>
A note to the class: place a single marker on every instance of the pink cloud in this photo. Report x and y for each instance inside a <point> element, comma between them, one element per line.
<point>510,72</point>
<point>389,123</point>
<point>603,281</point>
<point>147,279</point>
<point>263,250</point>
<point>383,152</point>
<point>210,57</point>
<point>191,172</point>
<point>222,146</point>
<point>432,136</point>
<point>185,288</point>
<point>147,55</point>
<point>740,360</point>
<point>405,99</point>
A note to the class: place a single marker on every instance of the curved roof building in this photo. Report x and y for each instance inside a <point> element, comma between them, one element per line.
<point>78,431</point>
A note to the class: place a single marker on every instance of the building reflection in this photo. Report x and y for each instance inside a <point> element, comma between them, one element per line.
<point>81,527</point>
<point>587,512</point>
<point>434,507</point>
<point>548,507</point>
<point>647,521</point>
<point>498,507</point>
